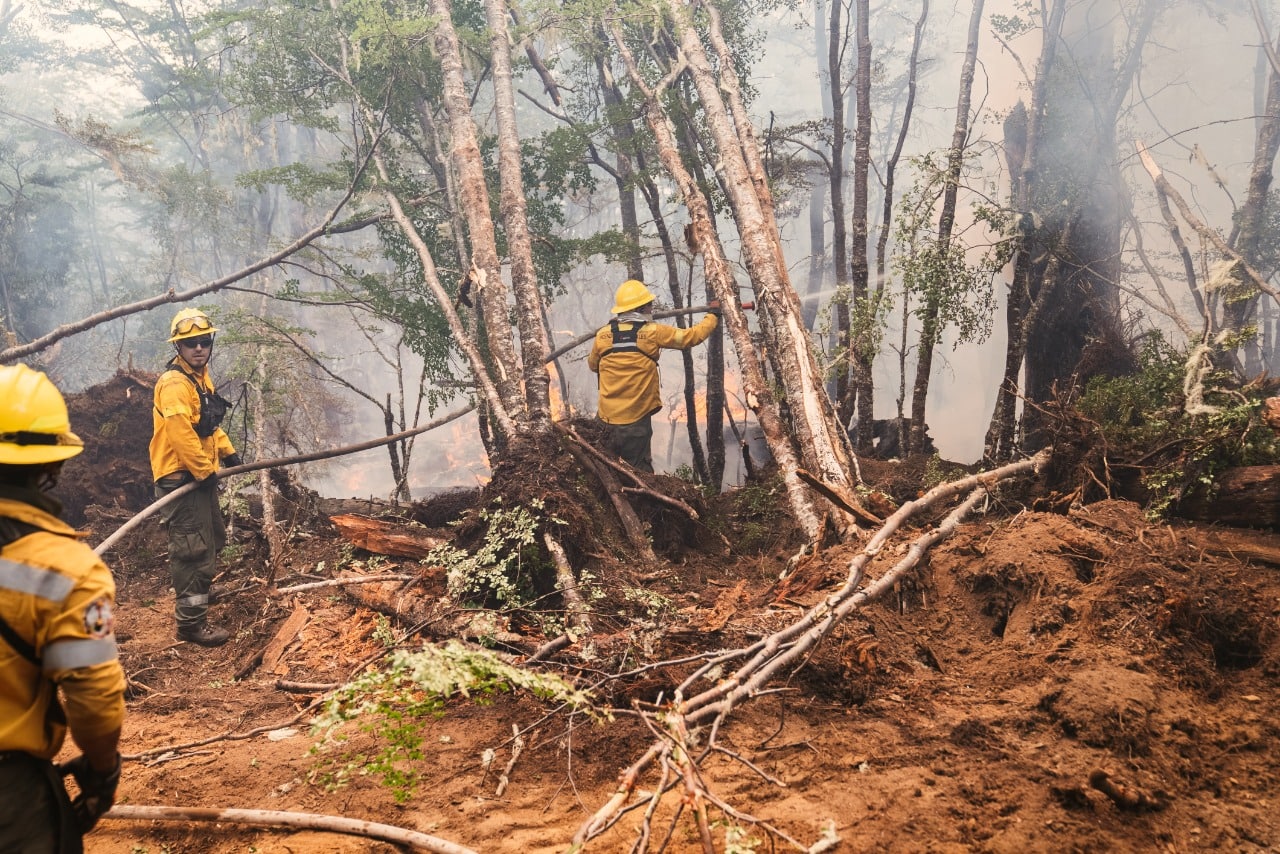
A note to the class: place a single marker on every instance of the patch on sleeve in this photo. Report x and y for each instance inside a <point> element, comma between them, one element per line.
<point>99,621</point>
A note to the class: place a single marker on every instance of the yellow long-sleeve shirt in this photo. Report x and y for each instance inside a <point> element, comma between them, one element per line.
<point>175,446</point>
<point>57,596</point>
<point>628,379</point>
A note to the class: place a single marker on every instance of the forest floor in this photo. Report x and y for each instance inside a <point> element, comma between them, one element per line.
<point>1032,660</point>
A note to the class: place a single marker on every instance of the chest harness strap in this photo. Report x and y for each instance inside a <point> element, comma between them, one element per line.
<point>624,340</point>
<point>11,530</point>
<point>213,407</point>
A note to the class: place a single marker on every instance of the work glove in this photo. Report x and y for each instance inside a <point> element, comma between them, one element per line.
<point>232,460</point>
<point>714,306</point>
<point>97,790</point>
<point>210,482</point>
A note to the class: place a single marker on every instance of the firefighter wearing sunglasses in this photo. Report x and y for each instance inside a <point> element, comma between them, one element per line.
<point>188,444</point>
<point>59,669</point>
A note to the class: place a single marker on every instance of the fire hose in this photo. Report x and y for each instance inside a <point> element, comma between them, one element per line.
<point>657,315</point>
<point>107,544</point>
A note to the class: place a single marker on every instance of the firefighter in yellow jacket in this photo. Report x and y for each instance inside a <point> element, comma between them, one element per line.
<point>625,356</point>
<point>188,444</point>
<point>56,632</point>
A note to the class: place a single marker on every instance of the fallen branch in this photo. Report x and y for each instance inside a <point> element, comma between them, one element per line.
<point>170,296</point>
<point>790,646</point>
<point>664,499</point>
<point>517,747</point>
<point>281,819</point>
<point>592,459</point>
<point>275,648</point>
<point>549,649</point>
<point>839,498</point>
<point>612,462</point>
<point>385,538</point>
<point>306,687</point>
<point>229,735</point>
<point>577,612</point>
<point>1126,796</point>
<point>342,582</point>
<point>106,545</point>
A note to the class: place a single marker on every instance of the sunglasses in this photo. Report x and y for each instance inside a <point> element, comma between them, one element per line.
<point>192,343</point>
<point>187,324</point>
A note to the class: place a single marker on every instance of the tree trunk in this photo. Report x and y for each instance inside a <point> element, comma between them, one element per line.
<point>822,443</point>
<point>1251,219</point>
<point>930,322</point>
<point>524,281</point>
<point>486,272</point>
<point>860,356</point>
<point>1000,433</point>
<point>839,232</point>
<point>623,144</point>
<point>1245,497</point>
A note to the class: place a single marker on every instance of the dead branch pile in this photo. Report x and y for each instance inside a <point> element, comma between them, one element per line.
<point>672,749</point>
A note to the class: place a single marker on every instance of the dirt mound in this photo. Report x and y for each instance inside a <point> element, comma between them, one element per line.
<point>983,706</point>
<point>113,472</point>
<point>1085,680</point>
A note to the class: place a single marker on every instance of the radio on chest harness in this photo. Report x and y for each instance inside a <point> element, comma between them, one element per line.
<point>213,406</point>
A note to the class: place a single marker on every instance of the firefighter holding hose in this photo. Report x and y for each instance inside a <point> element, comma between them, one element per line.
<point>624,355</point>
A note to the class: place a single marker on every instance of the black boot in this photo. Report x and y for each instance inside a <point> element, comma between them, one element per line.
<point>204,635</point>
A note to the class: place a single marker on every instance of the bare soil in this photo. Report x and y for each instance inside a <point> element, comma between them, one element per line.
<point>1035,658</point>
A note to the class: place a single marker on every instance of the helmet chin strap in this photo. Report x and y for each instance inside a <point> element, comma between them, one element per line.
<point>48,478</point>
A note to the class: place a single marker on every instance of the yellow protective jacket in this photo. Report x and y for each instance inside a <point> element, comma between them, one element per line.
<point>628,379</point>
<point>57,597</point>
<point>175,446</point>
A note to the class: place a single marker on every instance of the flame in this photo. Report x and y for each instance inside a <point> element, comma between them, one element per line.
<point>559,412</point>
<point>733,397</point>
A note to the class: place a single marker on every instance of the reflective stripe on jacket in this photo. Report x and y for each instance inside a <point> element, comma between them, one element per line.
<point>628,379</point>
<point>175,412</point>
<point>57,596</point>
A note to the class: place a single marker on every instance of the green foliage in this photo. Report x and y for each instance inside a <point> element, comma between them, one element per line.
<point>504,565</point>
<point>657,608</point>
<point>1012,26</point>
<point>1142,416</point>
<point>394,702</point>
<point>754,512</point>
<point>946,286</point>
<point>737,839</point>
<point>938,471</point>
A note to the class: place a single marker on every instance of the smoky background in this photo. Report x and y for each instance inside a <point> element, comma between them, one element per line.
<point>92,222</point>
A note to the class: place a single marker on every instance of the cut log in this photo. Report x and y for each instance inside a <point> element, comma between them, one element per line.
<point>275,649</point>
<point>385,538</point>
<point>1245,497</point>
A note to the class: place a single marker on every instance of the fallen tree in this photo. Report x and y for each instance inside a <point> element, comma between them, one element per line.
<point>771,655</point>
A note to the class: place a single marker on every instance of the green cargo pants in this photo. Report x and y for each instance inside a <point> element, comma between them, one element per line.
<point>196,535</point>
<point>35,814</point>
<point>632,442</point>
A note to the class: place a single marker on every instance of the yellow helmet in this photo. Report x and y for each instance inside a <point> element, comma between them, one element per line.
<point>34,427</point>
<point>631,295</point>
<point>190,323</point>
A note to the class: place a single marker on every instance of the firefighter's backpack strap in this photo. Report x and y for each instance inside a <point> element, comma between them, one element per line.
<point>624,340</point>
<point>213,406</point>
<point>11,530</point>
